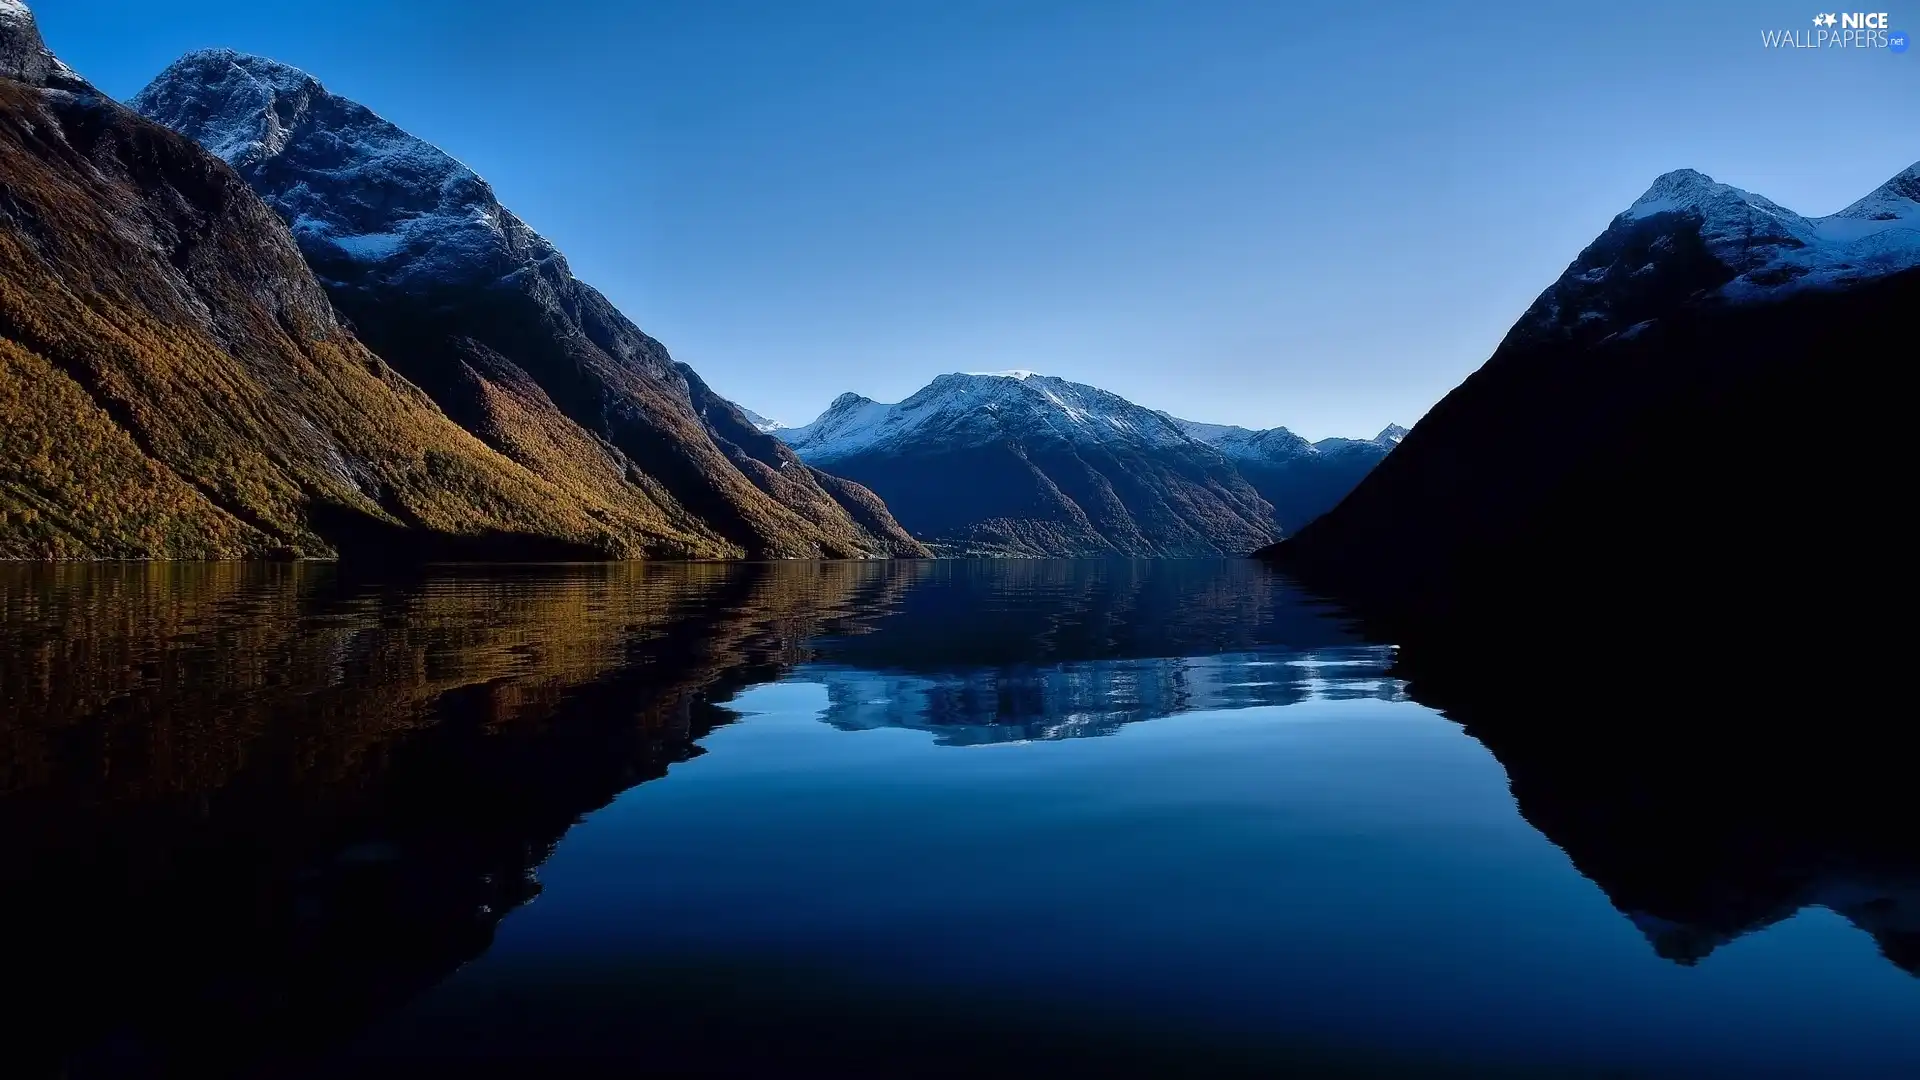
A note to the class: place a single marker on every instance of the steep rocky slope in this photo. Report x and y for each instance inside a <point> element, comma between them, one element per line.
<point>485,315</point>
<point>174,381</point>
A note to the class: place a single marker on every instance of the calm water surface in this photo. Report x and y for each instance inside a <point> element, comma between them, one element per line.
<point>1167,818</point>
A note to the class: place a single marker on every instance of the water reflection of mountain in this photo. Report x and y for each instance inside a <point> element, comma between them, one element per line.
<point>982,652</point>
<point>244,808</point>
<point>967,614</point>
<point>1712,789</point>
<point>1013,703</point>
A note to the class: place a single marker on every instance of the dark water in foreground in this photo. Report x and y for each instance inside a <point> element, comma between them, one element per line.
<point>891,819</point>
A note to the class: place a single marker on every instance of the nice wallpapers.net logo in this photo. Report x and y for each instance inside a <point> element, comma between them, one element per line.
<point>1841,30</point>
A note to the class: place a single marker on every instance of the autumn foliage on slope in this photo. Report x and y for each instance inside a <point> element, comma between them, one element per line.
<point>173,381</point>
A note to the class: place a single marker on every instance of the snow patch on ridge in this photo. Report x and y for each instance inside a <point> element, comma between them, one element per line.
<point>764,425</point>
<point>1650,256</point>
<point>1280,444</point>
<point>352,184</point>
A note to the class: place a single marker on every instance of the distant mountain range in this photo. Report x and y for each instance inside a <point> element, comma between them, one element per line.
<point>1654,387</point>
<point>1018,463</point>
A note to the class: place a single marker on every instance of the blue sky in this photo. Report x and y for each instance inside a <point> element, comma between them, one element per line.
<point>1322,216</point>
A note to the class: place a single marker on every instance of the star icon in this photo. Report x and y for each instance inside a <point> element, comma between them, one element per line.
<point>1831,20</point>
<point>1819,20</point>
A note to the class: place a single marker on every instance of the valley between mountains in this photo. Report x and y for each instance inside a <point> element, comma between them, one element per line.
<point>242,316</point>
<point>247,317</point>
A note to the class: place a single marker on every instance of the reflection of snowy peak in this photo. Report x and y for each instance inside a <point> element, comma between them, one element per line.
<point>975,409</point>
<point>1689,238</point>
<point>1094,697</point>
<point>350,183</point>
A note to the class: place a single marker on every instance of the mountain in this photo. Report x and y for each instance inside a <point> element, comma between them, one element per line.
<point>1013,462</point>
<point>771,427</point>
<point>1016,463</point>
<point>1301,479</point>
<point>174,382</point>
<point>1662,390</point>
<point>25,58</point>
<point>484,315</point>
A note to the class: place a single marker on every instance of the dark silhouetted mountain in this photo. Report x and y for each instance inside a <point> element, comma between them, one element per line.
<point>1023,464</point>
<point>174,382</point>
<point>1711,789</point>
<point>1662,391</point>
<point>484,314</point>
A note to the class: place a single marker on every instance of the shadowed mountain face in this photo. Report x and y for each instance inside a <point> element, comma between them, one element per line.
<point>1630,486</point>
<point>1646,429</point>
<point>484,314</point>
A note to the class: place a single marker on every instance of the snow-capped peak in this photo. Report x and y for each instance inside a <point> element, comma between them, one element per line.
<point>1690,237</point>
<point>1896,200</point>
<point>1280,444</point>
<point>762,423</point>
<point>1741,229</point>
<point>351,184</point>
<point>25,58</point>
<point>968,409</point>
<point>1690,191</point>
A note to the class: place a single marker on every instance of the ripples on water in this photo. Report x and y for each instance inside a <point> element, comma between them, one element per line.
<point>257,815</point>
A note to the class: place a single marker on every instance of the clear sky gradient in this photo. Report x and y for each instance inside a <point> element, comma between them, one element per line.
<point>1322,216</point>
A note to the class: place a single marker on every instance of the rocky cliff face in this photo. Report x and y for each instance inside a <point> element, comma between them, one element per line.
<point>25,58</point>
<point>174,382</point>
<point>485,315</point>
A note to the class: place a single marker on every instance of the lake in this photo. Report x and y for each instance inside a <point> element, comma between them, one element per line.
<point>911,818</point>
